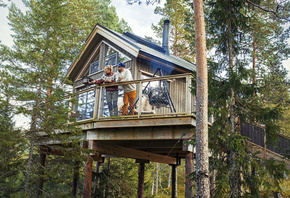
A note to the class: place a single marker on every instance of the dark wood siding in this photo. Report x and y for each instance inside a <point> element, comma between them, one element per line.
<point>257,134</point>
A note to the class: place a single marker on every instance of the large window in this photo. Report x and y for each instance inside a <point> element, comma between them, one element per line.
<point>86,103</point>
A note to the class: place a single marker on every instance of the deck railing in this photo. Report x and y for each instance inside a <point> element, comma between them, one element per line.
<point>257,136</point>
<point>156,96</point>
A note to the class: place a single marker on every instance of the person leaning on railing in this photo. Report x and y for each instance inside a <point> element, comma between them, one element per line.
<point>129,89</point>
<point>111,92</point>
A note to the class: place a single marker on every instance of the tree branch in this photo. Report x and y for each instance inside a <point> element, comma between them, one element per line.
<point>266,10</point>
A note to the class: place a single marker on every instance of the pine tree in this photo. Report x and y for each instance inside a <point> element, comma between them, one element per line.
<point>46,39</point>
<point>181,40</point>
<point>12,144</point>
<point>234,98</point>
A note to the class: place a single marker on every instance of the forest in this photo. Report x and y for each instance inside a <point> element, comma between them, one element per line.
<point>247,42</point>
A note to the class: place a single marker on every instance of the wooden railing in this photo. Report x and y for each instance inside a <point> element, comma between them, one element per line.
<point>156,96</point>
<point>257,136</point>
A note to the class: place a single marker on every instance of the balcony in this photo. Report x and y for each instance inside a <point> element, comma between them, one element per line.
<point>160,101</point>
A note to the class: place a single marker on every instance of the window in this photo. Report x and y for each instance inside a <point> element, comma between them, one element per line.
<point>94,65</point>
<point>113,57</point>
<point>86,103</point>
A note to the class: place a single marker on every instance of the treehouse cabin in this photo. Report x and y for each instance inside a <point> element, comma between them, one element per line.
<point>160,120</point>
<point>157,124</point>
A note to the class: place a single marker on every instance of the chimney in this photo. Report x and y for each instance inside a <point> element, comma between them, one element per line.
<point>165,38</point>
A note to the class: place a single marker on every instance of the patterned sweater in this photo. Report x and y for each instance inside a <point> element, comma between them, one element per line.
<point>111,77</point>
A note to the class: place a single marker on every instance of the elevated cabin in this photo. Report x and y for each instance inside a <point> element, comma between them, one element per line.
<point>163,121</point>
<point>164,118</point>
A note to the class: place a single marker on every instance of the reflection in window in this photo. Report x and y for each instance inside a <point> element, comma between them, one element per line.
<point>113,57</point>
<point>94,65</point>
<point>86,103</point>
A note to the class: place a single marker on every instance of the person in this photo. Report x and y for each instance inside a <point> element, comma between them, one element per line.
<point>111,92</point>
<point>129,89</point>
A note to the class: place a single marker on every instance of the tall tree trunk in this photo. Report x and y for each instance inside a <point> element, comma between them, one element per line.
<point>156,179</point>
<point>76,176</point>
<point>108,175</point>
<point>97,177</point>
<point>28,170</point>
<point>202,161</point>
<point>234,169</point>
<point>41,174</point>
<point>169,178</point>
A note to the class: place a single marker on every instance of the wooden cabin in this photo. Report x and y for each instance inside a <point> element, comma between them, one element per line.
<point>163,121</point>
<point>159,129</point>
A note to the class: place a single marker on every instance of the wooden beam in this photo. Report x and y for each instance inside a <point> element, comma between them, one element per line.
<point>168,132</point>
<point>122,122</point>
<point>132,153</point>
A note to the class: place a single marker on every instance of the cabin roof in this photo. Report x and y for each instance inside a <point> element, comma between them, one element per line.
<point>134,44</point>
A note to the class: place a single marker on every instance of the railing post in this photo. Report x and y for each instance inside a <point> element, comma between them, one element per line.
<point>99,111</point>
<point>96,103</point>
<point>265,147</point>
<point>188,96</point>
<point>140,99</point>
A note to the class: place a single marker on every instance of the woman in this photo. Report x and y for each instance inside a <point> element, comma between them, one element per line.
<point>111,92</point>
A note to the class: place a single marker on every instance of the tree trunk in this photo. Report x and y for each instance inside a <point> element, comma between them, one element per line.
<point>169,179</point>
<point>234,169</point>
<point>88,178</point>
<point>97,178</point>
<point>76,179</point>
<point>107,184</point>
<point>28,170</point>
<point>202,161</point>
<point>41,174</point>
<point>156,178</point>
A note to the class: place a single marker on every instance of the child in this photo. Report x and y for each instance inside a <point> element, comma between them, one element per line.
<point>111,92</point>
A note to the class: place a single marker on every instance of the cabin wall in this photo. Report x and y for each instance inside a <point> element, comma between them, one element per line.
<point>129,64</point>
<point>177,88</point>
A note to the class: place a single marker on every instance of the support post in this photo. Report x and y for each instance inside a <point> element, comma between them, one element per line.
<point>97,178</point>
<point>141,180</point>
<point>174,181</point>
<point>188,170</point>
<point>41,173</point>
<point>88,178</point>
<point>76,176</point>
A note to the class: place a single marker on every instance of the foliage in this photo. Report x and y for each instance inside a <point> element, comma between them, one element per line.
<point>47,38</point>
<point>12,144</point>
<point>181,40</point>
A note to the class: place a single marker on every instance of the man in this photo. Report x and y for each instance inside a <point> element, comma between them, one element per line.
<point>129,89</point>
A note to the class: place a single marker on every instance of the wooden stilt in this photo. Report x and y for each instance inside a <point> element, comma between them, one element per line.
<point>76,179</point>
<point>41,172</point>
<point>188,170</point>
<point>141,180</point>
<point>97,178</point>
<point>174,181</point>
<point>88,178</point>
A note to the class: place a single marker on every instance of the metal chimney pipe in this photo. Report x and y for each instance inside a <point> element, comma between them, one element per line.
<point>165,38</point>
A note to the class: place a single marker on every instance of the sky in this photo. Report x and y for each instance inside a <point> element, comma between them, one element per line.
<point>139,18</point>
